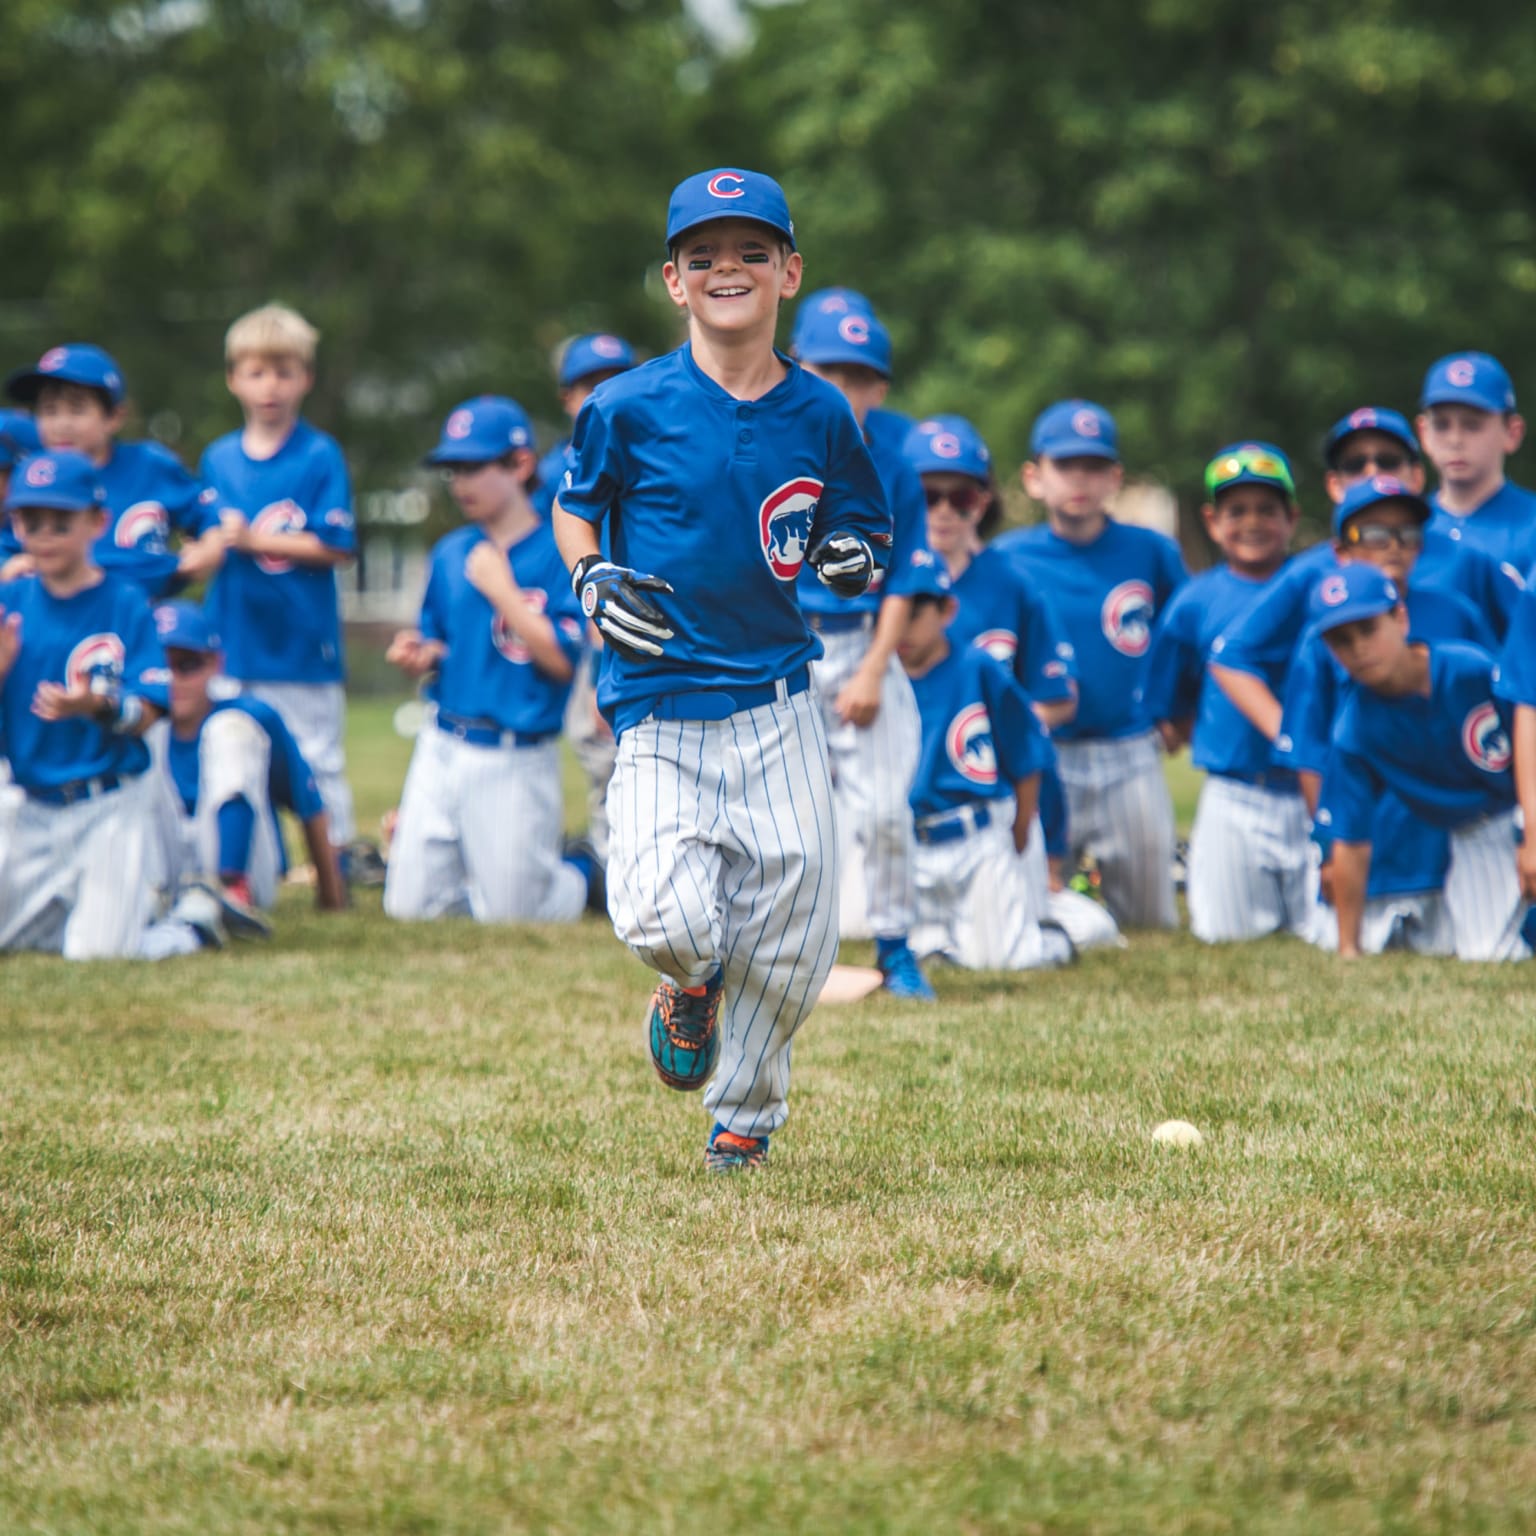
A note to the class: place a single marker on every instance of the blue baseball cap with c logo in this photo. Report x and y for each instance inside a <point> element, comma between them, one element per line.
<point>729,194</point>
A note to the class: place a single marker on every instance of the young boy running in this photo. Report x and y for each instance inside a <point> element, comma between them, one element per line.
<point>720,469</point>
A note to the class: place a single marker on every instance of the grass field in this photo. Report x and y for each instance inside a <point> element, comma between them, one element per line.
<point>391,1230</point>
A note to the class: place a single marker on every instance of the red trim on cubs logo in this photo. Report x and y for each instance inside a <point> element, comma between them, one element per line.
<point>854,328</point>
<point>784,525</point>
<point>459,425</point>
<point>1000,644</point>
<point>1484,739</point>
<point>96,653</point>
<point>945,444</point>
<point>1086,424</point>
<point>718,188</point>
<point>1333,591</point>
<point>1126,618</point>
<point>968,741</point>
<point>279,517</point>
<point>607,346</point>
<point>40,472</point>
<point>1364,417</point>
<point>1462,373</point>
<point>52,360</point>
<point>501,632</point>
<point>144,523</point>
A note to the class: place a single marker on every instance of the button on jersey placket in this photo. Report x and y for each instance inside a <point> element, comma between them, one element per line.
<point>744,449</point>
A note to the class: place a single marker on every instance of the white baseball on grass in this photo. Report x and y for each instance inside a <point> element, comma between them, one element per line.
<point>1177,1133</point>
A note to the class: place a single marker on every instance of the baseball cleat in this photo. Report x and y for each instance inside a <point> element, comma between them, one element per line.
<point>243,919</point>
<point>199,908</point>
<point>683,1032</point>
<point>1057,942</point>
<point>903,976</point>
<point>728,1152</point>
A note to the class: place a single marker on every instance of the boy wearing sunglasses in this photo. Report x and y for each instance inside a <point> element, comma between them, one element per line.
<point>1248,873</point>
<point>1421,718</point>
<point>1381,522</point>
<point>481,814</point>
<point>226,767</point>
<point>1109,583</point>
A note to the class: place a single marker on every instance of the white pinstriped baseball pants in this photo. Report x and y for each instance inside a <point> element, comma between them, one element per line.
<point>722,851</point>
<point>1482,891</point>
<point>872,772</point>
<point>1248,863</point>
<point>1119,810</point>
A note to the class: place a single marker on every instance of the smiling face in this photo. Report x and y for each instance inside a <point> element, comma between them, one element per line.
<point>73,416</point>
<point>731,275</point>
<point>1252,526</point>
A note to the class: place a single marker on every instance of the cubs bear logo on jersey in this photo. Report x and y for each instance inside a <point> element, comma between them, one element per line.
<point>143,526</point>
<point>279,517</point>
<point>969,744</point>
<point>97,656</point>
<point>501,632</point>
<point>1484,739</point>
<point>784,525</point>
<point>1000,644</point>
<point>1126,618</point>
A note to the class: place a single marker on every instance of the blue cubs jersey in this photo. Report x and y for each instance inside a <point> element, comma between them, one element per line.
<point>979,735</point>
<point>552,468</point>
<point>1447,756</point>
<point>1504,526</point>
<point>1178,686</point>
<point>281,621</point>
<point>1107,596</point>
<point>290,782</point>
<point>1261,638</point>
<point>886,430</point>
<point>722,498</point>
<point>1516,681</point>
<point>487,673</point>
<point>909,540</point>
<point>149,495</point>
<point>1000,608</point>
<point>104,636</point>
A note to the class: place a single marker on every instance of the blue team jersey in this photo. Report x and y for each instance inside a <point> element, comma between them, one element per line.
<point>487,673</point>
<point>280,621</point>
<point>979,735</point>
<point>290,782</point>
<point>886,430</point>
<point>1179,687</point>
<point>909,540</point>
<point>1447,756</point>
<point>105,633</point>
<point>722,498</point>
<point>1503,527</point>
<point>1001,610</point>
<point>551,474</point>
<point>1107,595</point>
<point>149,495</point>
<point>1516,680</point>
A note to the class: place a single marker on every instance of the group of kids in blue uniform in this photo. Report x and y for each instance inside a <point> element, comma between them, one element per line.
<point>817,692</point>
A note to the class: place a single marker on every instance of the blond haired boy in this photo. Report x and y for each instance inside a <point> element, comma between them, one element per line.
<point>285,503</point>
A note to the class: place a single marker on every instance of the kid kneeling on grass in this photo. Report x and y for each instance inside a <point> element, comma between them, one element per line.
<point>1422,719</point>
<point>974,799</point>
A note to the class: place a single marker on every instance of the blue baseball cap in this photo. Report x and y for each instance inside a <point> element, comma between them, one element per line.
<point>856,338</point>
<point>1370,418</point>
<point>948,445</point>
<point>728,194</point>
<point>600,353</point>
<point>828,301</point>
<point>1469,378</point>
<point>1075,429</point>
<point>77,363</point>
<point>482,429</point>
<point>184,626</point>
<point>1356,590</point>
<point>1250,463</point>
<point>929,576</point>
<point>18,437</point>
<point>65,481</point>
<point>1371,492</point>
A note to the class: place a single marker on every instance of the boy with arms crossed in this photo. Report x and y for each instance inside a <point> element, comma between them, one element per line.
<point>720,469</point>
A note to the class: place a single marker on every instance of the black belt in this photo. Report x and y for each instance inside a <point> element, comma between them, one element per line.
<point>476,731</point>
<point>839,623</point>
<point>74,791</point>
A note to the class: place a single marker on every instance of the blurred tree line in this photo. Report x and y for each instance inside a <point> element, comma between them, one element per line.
<point>1218,218</point>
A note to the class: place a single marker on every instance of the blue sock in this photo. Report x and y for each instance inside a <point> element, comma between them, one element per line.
<point>888,946</point>
<point>237,825</point>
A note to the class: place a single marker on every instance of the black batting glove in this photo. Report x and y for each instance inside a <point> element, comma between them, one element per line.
<point>613,597</point>
<point>843,562</point>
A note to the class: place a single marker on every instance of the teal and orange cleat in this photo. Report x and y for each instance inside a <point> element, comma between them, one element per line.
<point>684,1039</point>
